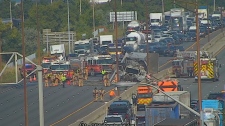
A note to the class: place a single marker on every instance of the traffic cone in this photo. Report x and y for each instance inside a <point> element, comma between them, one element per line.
<point>31,79</point>
<point>35,78</point>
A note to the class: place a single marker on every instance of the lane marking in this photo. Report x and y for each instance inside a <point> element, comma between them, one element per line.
<point>109,90</point>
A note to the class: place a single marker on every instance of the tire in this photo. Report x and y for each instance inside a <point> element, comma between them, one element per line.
<point>92,73</point>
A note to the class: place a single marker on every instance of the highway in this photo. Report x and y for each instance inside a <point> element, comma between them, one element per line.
<point>207,86</point>
<point>65,105</point>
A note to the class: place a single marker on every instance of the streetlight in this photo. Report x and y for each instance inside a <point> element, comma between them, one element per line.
<point>68,19</point>
<point>147,27</point>
<point>214,5</point>
<point>116,29</point>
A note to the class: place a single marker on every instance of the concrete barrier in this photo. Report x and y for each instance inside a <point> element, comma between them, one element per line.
<point>101,111</point>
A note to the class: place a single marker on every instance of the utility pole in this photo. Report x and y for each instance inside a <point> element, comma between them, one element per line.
<point>10,11</point>
<point>199,63</point>
<point>214,5</point>
<point>24,72</point>
<point>208,37</point>
<point>147,27</point>
<point>116,29</point>
<point>163,10</point>
<point>68,19</point>
<point>38,36</point>
<point>80,6</point>
<point>93,14</point>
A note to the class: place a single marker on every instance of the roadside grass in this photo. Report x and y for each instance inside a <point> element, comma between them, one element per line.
<point>9,74</point>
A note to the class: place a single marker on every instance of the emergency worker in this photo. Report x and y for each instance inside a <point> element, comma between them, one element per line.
<point>103,72</point>
<point>80,79</point>
<point>46,80</point>
<point>112,94</point>
<point>85,73</point>
<point>106,80</point>
<point>101,93</point>
<point>134,99</point>
<point>95,94</point>
<point>60,75</point>
<point>63,79</point>
<point>75,79</point>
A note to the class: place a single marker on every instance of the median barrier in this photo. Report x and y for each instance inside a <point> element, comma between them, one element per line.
<point>101,111</point>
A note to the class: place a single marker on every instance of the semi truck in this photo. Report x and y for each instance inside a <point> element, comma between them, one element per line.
<point>202,12</point>
<point>134,39</point>
<point>58,50</point>
<point>213,112</point>
<point>156,113</point>
<point>178,20</point>
<point>156,19</point>
<point>182,96</point>
<point>105,40</point>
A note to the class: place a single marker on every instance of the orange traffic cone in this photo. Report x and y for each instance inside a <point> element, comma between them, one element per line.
<point>35,78</point>
<point>31,79</point>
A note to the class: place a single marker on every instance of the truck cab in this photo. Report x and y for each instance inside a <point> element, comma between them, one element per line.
<point>62,67</point>
<point>144,97</point>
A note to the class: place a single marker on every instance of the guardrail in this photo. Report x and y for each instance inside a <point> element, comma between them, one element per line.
<point>101,111</point>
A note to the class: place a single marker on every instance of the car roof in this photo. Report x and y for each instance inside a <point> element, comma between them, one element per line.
<point>113,115</point>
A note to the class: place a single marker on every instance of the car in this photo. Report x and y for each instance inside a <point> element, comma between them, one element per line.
<point>194,104</point>
<point>121,107</point>
<point>192,36</point>
<point>115,120</point>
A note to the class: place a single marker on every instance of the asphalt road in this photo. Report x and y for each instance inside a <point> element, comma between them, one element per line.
<point>58,102</point>
<point>207,86</point>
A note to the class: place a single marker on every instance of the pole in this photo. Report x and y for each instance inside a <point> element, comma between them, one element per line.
<point>214,5</point>
<point>24,72</point>
<point>147,27</point>
<point>163,10</point>
<point>198,61</point>
<point>80,7</point>
<point>38,36</point>
<point>10,10</point>
<point>93,15</point>
<point>68,17</point>
<point>117,59</point>
<point>121,2</point>
<point>47,43</point>
<point>208,37</point>
<point>41,101</point>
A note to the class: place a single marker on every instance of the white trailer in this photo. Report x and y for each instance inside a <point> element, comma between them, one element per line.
<point>156,19</point>
<point>105,40</point>
<point>178,20</point>
<point>58,50</point>
<point>182,96</point>
<point>202,12</point>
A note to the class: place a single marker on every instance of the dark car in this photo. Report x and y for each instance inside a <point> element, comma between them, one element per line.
<point>177,39</point>
<point>121,107</point>
<point>192,36</point>
<point>194,104</point>
<point>170,51</point>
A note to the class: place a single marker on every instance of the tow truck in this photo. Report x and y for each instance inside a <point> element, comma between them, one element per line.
<point>60,66</point>
<point>46,62</point>
<point>182,65</point>
<point>95,64</point>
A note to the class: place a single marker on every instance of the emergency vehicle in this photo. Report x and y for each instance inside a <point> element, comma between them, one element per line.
<point>209,69</point>
<point>183,64</point>
<point>61,67</point>
<point>144,96</point>
<point>95,64</point>
<point>46,63</point>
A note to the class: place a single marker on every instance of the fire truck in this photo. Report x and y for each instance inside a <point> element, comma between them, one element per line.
<point>182,65</point>
<point>95,64</point>
<point>46,63</point>
<point>61,66</point>
<point>209,69</point>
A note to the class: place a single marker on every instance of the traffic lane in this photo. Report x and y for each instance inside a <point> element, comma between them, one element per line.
<point>34,101</point>
<point>83,112</point>
<point>207,86</point>
<point>203,41</point>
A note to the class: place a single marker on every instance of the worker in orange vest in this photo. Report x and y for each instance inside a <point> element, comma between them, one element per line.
<point>112,94</point>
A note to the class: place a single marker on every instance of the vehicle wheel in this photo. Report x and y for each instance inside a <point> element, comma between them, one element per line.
<point>92,73</point>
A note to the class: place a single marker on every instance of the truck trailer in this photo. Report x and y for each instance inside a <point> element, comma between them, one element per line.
<point>178,20</point>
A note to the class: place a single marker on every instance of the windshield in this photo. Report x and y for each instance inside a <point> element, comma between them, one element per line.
<point>154,20</point>
<point>157,36</point>
<point>28,66</point>
<point>106,42</point>
<point>73,55</point>
<point>46,65</point>
<point>80,51</point>
<point>131,39</point>
<point>116,110</point>
<point>145,95</point>
<point>105,61</point>
<point>113,49</point>
<point>113,119</point>
<point>59,67</point>
<point>83,46</point>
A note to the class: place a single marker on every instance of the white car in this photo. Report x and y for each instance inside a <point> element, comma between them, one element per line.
<point>157,38</point>
<point>114,120</point>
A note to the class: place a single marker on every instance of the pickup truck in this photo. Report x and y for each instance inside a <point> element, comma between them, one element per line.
<point>114,120</point>
<point>28,68</point>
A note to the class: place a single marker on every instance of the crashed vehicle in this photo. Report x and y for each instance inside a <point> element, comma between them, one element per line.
<point>134,73</point>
